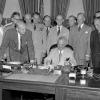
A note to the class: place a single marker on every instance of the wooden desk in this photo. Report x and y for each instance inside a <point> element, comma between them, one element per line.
<point>66,91</point>
<point>27,82</point>
<point>51,85</point>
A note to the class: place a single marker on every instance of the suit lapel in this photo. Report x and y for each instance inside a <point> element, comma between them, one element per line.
<point>16,38</point>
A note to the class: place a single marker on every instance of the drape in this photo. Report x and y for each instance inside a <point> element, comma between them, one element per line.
<point>90,7</point>
<point>59,7</point>
<point>41,8</point>
<point>2,6</point>
<point>26,6</point>
<point>31,6</point>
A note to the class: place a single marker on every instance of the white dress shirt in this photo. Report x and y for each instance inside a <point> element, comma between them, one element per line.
<point>19,41</point>
<point>59,57</point>
<point>1,35</point>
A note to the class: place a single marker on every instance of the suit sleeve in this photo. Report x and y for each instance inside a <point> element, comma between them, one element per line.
<point>49,57</point>
<point>92,46</point>
<point>5,43</point>
<point>30,46</point>
<point>92,42</point>
<point>88,43</point>
<point>70,40</point>
<point>72,59</point>
<point>43,41</point>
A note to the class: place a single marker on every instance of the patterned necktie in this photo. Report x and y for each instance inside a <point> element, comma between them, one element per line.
<point>58,31</point>
<point>79,28</point>
<point>47,32</point>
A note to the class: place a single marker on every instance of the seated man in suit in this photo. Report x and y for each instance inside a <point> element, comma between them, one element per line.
<point>59,55</point>
<point>19,42</point>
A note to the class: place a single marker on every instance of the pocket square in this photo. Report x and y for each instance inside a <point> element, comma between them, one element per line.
<point>86,32</point>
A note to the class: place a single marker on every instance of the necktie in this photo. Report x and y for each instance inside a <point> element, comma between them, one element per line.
<point>34,27</point>
<point>58,31</point>
<point>47,32</point>
<point>60,54</point>
<point>19,41</point>
<point>79,28</point>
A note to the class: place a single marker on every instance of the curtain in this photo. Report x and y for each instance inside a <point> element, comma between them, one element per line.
<point>90,7</point>
<point>2,6</point>
<point>26,6</point>
<point>31,6</point>
<point>41,8</point>
<point>59,7</point>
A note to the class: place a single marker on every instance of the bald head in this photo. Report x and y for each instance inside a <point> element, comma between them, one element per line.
<point>62,41</point>
<point>80,18</point>
<point>59,20</point>
<point>21,27</point>
<point>47,21</point>
<point>36,18</point>
<point>27,18</point>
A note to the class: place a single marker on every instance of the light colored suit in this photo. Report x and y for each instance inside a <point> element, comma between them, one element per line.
<point>65,53</point>
<point>37,36</point>
<point>53,37</point>
<point>80,41</point>
<point>45,37</point>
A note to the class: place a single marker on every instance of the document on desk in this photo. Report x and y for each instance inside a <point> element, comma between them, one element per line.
<point>31,77</point>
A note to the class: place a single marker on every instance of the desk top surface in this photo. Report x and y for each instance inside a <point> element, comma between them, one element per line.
<point>53,79</point>
<point>32,77</point>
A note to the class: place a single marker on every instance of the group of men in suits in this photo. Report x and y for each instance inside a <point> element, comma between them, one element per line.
<point>79,39</point>
<point>42,35</point>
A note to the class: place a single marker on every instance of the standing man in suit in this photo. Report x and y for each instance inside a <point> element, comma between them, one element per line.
<point>14,18</point>
<point>95,47</point>
<point>19,42</point>
<point>79,39</point>
<point>58,55</point>
<point>37,36</point>
<point>57,31</point>
<point>46,30</point>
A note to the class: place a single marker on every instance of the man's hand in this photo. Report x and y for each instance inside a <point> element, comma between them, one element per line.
<point>32,61</point>
<point>87,57</point>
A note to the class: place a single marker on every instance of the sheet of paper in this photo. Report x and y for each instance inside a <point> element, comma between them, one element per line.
<point>7,67</point>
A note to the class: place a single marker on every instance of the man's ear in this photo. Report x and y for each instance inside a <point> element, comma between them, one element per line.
<point>62,20</point>
<point>84,18</point>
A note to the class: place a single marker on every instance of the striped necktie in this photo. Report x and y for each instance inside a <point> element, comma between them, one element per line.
<point>58,31</point>
<point>60,54</point>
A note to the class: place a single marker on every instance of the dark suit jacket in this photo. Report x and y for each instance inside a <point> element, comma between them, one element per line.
<point>95,47</point>
<point>11,40</point>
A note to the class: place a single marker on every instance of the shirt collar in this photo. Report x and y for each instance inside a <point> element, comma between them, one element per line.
<point>81,26</point>
<point>60,51</point>
<point>58,27</point>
